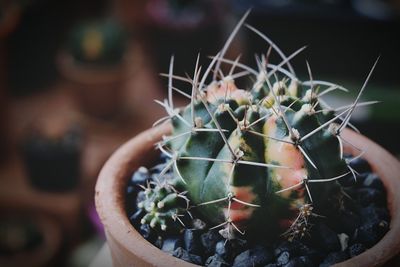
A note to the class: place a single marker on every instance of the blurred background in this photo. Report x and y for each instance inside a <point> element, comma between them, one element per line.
<point>78,78</point>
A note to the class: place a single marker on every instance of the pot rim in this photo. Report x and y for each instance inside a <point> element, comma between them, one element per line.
<point>110,196</point>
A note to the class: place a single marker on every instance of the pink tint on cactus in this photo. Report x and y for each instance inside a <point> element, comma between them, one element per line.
<point>288,155</point>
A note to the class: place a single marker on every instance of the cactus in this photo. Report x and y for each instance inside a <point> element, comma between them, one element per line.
<point>163,205</point>
<point>261,160</point>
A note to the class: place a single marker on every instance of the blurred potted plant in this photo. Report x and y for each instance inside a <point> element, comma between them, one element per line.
<point>52,157</point>
<point>94,62</point>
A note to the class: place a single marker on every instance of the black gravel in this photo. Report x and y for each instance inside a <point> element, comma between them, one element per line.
<point>334,257</point>
<point>192,243</point>
<point>257,256</point>
<point>324,238</point>
<point>356,249</point>
<point>216,261</point>
<point>330,241</point>
<point>209,240</point>
<point>185,255</point>
<point>171,244</point>
<point>146,232</point>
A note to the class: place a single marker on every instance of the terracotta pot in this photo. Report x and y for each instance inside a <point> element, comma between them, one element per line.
<point>129,248</point>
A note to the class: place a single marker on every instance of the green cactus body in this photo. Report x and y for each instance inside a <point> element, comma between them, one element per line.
<point>250,190</point>
<point>257,160</point>
<point>163,207</point>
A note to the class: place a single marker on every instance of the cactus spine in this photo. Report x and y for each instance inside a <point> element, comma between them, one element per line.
<point>262,159</point>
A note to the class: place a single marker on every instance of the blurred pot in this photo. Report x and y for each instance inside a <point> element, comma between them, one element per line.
<point>53,162</point>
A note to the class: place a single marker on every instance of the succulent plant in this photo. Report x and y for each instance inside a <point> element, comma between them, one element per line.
<point>262,159</point>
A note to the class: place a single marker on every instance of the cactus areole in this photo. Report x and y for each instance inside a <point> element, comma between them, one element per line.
<point>260,160</point>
